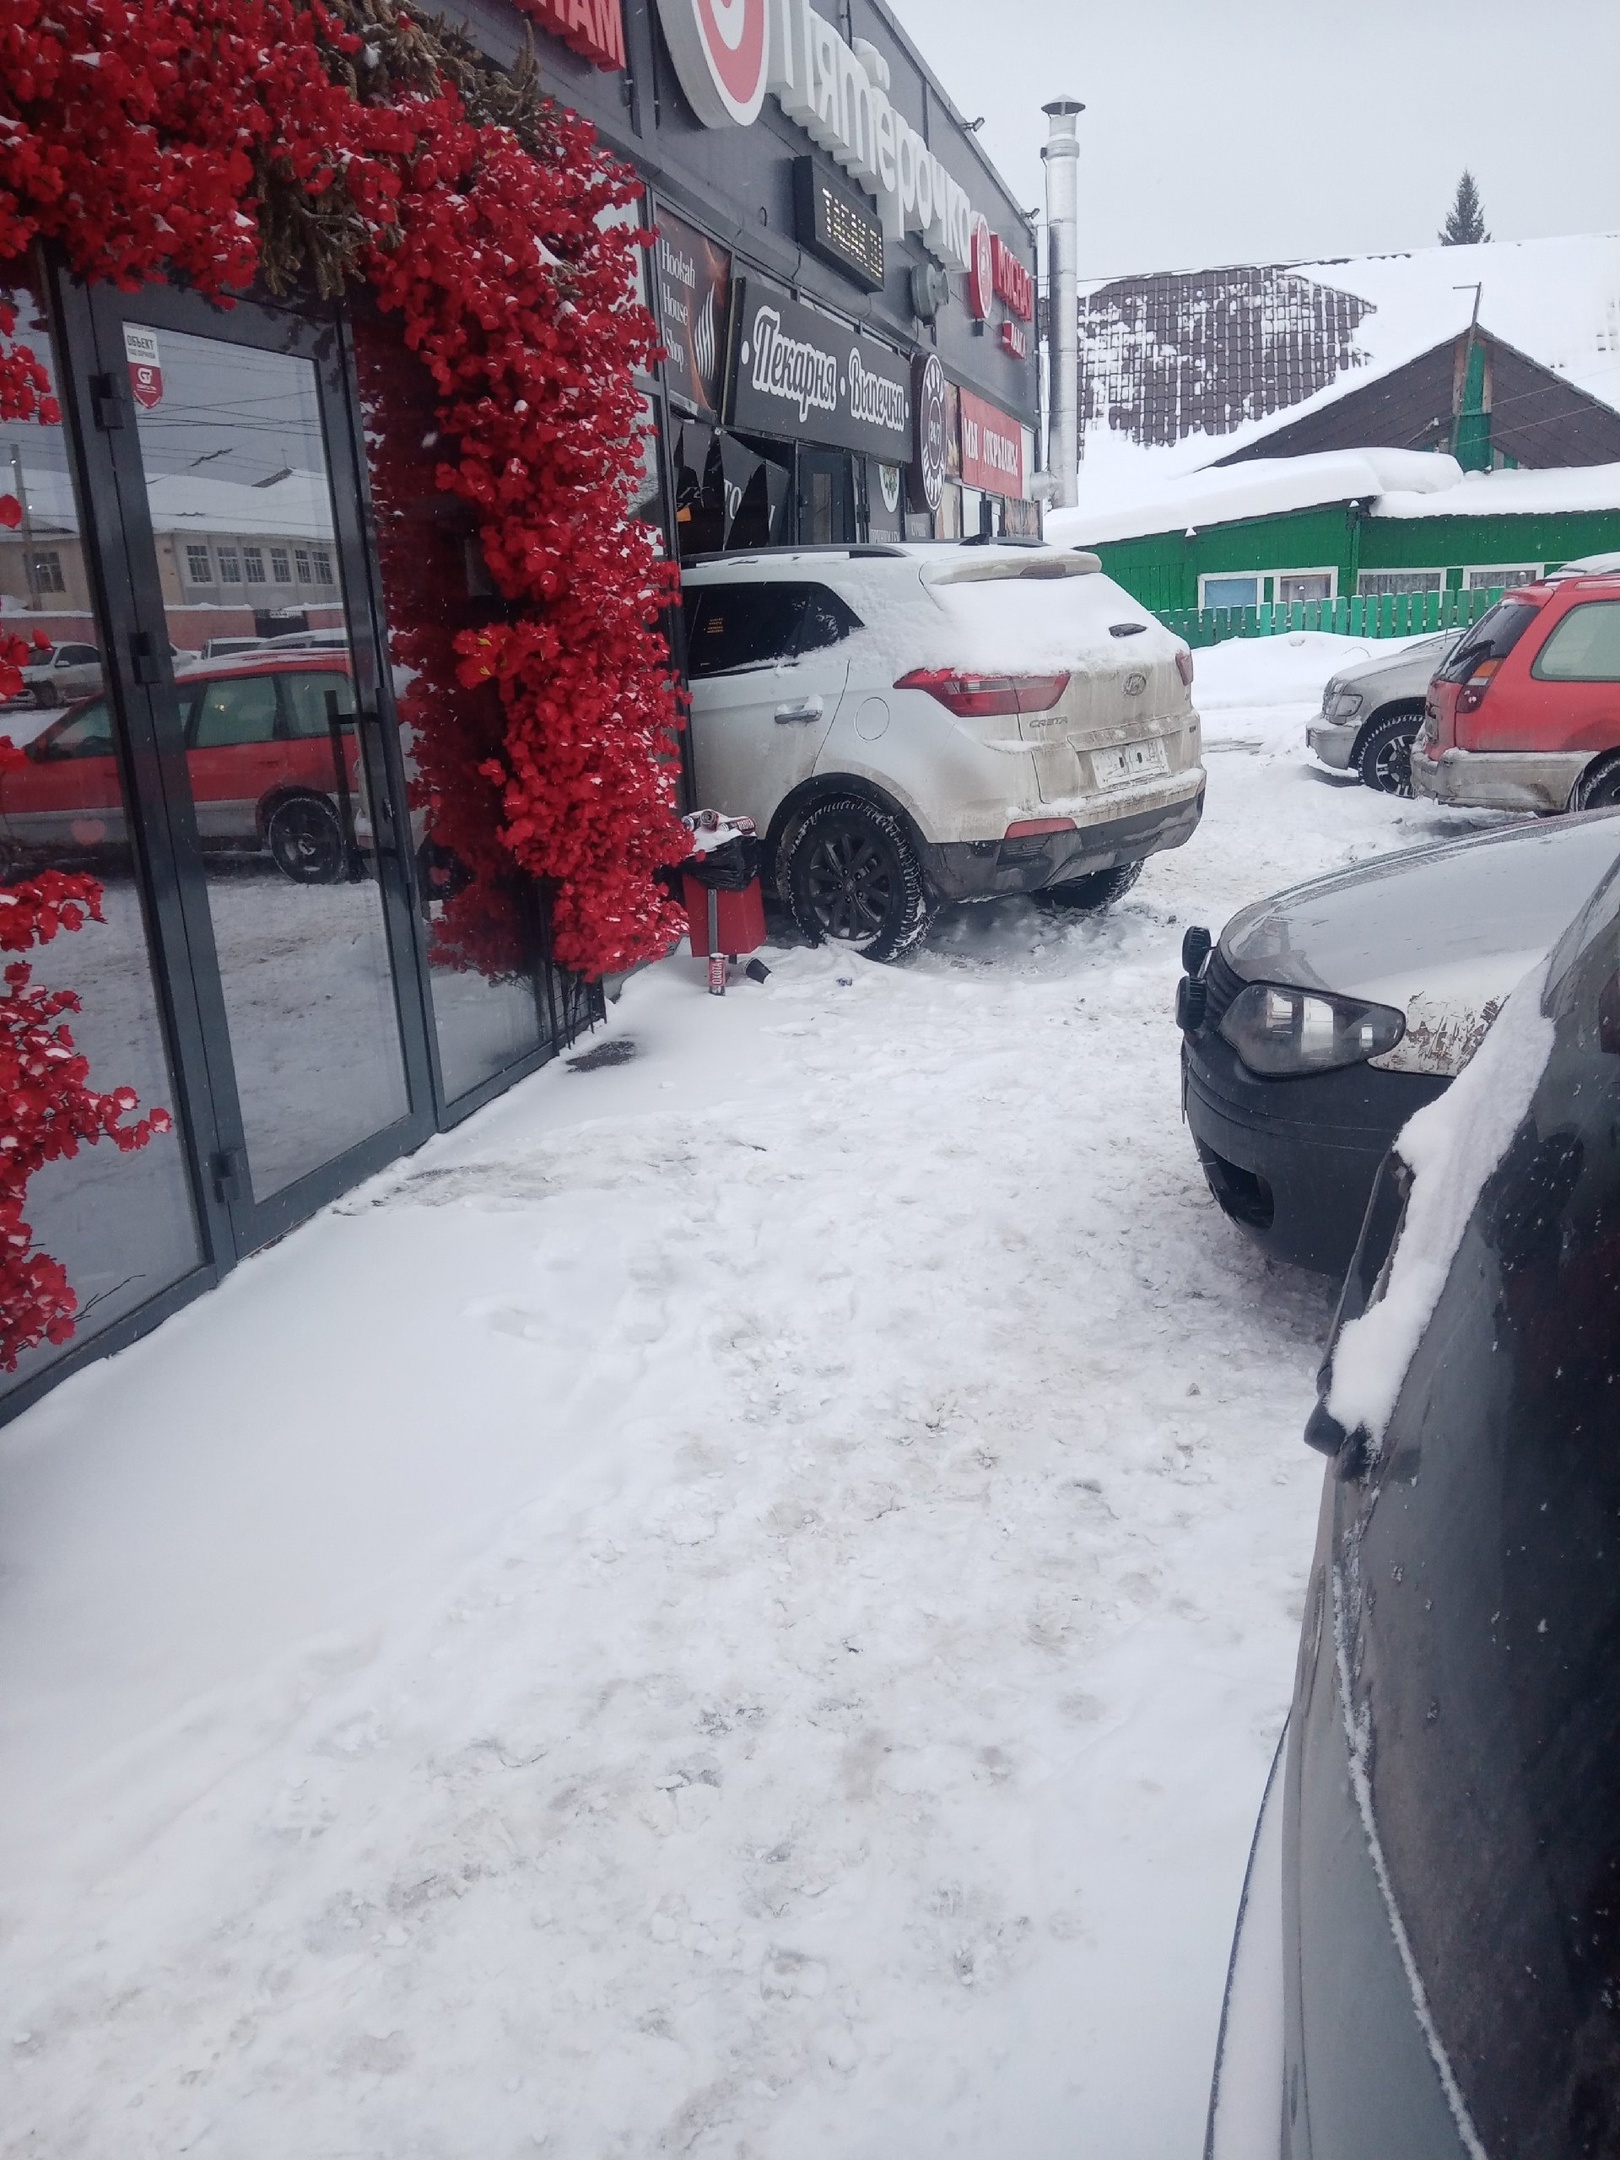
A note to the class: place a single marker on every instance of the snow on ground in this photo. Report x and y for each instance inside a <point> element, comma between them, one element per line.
<point>740,1604</point>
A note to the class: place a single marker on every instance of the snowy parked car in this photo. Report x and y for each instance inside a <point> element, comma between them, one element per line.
<point>62,673</point>
<point>1325,1017</point>
<point>914,724</point>
<point>1372,712</point>
<point>1426,1961</point>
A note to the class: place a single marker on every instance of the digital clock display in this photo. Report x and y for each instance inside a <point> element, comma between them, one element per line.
<point>835,224</point>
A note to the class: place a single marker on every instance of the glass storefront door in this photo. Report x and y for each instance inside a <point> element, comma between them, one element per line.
<point>125,1227</point>
<point>239,496</point>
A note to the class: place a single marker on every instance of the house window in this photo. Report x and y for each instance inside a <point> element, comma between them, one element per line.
<point>1229,592</point>
<point>253,561</point>
<point>230,567</point>
<point>1505,577</point>
<point>1296,585</point>
<point>280,569</point>
<point>198,567</point>
<point>48,572</point>
<point>301,562</point>
<point>323,566</point>
<point>1384,584</point>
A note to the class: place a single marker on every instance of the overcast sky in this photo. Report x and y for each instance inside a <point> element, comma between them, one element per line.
<point>1263,130</point>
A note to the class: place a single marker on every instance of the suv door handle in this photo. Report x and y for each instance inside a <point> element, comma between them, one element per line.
<point>810,708</point>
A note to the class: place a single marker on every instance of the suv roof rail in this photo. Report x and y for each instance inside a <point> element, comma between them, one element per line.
<point>854,550</point>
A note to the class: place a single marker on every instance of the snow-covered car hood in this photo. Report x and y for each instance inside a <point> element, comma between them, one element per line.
<point>1383,676</point>
<point>1440,933</point>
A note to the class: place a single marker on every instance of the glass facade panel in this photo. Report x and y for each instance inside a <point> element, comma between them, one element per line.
<point>123,1226</point>
<point>481,919</point>
<point>236,445</point>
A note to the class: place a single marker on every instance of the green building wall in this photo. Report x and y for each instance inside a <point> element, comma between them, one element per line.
<point>1162,570</point>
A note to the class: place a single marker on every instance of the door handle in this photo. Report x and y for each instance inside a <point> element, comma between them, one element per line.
<point>810,708</point>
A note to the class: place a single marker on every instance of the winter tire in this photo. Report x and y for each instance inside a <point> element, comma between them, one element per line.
<point>306,841</point>
<point>1384,759</point>
<point>853,876</point>
<point>47,696</point>
<point>1598,788</point>
<point>1099,889</point>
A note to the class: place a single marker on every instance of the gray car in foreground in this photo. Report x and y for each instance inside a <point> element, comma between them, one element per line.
<point>1324,1017</point>
<point>1371,713</point>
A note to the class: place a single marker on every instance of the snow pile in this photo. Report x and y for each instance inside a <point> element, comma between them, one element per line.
<point>1511,494</point>
<point>1451,1147</point>
<point>1264,487</point>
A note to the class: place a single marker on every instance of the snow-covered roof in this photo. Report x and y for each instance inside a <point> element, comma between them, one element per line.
<point>1360,318</point>
<point>1390,483</point>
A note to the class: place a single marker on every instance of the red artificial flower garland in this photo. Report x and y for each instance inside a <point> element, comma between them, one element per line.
<point>151,139</point>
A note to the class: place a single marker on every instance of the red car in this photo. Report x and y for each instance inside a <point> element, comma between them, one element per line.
<point>271,753</point>
<point>1525,714</point>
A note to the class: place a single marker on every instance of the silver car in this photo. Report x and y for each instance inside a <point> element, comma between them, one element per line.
<point>1371,713</point>
<point>61,674</point>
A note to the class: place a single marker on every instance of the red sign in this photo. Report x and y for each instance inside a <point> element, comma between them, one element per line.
<point>721,51</point>
<point>1015,339</point>
<point>145,366</point>
<point>1012,280</point>
<point>992,448</point>
<point>981,269</point>
<point>592,27</point>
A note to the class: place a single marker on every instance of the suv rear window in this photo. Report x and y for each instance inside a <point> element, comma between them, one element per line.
<point>1584,647</point>
<point>1493,637</point>
<point>739,626</point>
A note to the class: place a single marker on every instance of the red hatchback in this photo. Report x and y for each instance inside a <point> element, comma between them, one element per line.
<point>1525,714</point>
<point>270,752</point>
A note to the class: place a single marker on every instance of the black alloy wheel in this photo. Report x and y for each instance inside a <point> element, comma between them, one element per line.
<point>1098,889</point>
<point>1598,788</point>
<point>853,876</point>
<point>306,841</point>
<point>47,696</point>
<point>1384,760</point>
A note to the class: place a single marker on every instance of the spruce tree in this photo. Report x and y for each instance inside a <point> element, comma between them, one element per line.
<point>1465,227</point>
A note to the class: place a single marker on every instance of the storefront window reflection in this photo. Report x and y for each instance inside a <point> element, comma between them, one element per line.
<point>730,492</point>
<point>123,1226</point>
<point>482,920</point>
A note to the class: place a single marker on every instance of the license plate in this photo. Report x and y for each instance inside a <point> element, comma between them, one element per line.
<point>1133,761</point>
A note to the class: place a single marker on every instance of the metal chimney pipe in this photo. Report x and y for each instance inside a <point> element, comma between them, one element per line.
<point>1062,155</point>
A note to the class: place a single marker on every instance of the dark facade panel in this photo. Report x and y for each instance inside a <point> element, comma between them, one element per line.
<point>1540,420</point>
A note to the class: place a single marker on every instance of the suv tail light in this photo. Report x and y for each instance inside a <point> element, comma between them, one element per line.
<point>1184,665</point>
<point>977,697</point>
<point>1472,694</point>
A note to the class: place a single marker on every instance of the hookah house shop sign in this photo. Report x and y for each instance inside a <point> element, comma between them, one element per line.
<point>796,373</point>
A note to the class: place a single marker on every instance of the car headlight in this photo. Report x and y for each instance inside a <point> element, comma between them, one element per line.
<point>1341,704</point>
<point>1280,1032</point>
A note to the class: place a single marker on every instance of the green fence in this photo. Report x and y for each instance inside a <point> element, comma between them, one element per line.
<point>1378,616</point>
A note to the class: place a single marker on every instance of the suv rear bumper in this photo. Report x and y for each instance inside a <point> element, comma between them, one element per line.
<point>989,869</point>
<point>1498,779</point>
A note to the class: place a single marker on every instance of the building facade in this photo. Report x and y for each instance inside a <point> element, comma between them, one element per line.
<point>293,961</point>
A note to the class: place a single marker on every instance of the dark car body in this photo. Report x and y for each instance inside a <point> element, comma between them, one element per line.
<point>1446,1882</point>
<point>1436,935</point>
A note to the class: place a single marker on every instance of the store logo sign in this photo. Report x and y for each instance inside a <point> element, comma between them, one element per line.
<point>721,50</point>
<point>792,368</point>
<point>727,53</point>
<point>928,466</point>
<point>981,270</point>
<point>839,101</point>
<point>592,27</point>
<point>145,367</point>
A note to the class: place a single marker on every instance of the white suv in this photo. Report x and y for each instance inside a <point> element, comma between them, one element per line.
<point>908,724</point>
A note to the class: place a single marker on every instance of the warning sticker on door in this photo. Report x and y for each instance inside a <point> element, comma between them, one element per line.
<point>145,366</point>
